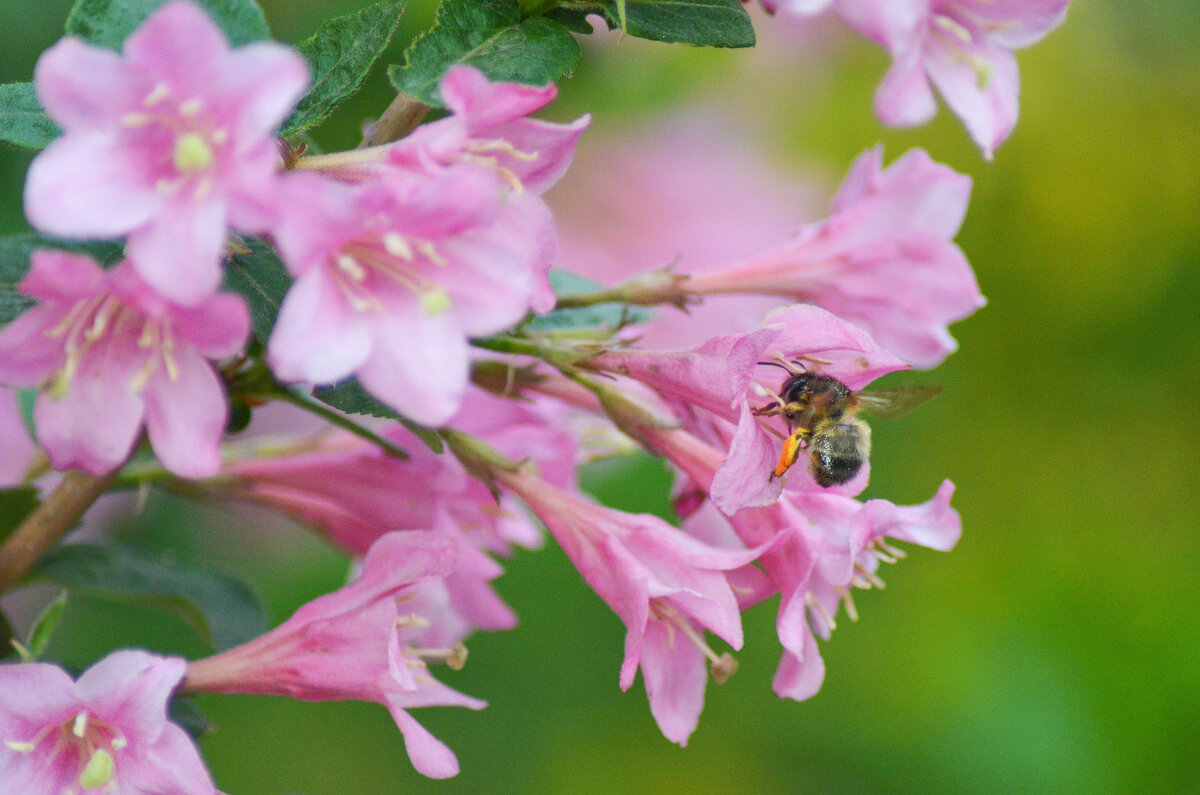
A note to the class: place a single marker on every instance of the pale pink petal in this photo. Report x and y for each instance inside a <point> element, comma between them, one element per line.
<point>180,44</point>
<point>27,354</point>
<point>179,252</point>
<point>855,358</point>
<point>262,81</point>
<point>80,85</point>
<point>418,367</point>
<point>317,338</point>
<point>553,144</point>
<point>743,479</point>
<point>131,689</point>
<point>430,756</point>
<point>800,679</point>
<point>67,426</point>
<point>186,414</point>
<point>32,695</point>
<point>485,104</point>
<point>16,448</point>
<point>933,524</point>
<point>1016,23</point>
<point>59,276</point>
<point>985,101</point>
<point>890,23</point>
<point>218,328</point>
<point>172,765</point>
<point>675,676</point>
<point>904,97</point>
<point>87,184</point>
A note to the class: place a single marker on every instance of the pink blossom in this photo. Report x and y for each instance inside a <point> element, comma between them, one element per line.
<point>665,586</point>
<point>18,449</point>
<point>724,378</point>
<point>107,732</point>
<point>963,46</point>
<point>392,278</point>
<point>883,259</point>
<point>168,142</point>
<point>104,344</point>
<point>487,127</point>
<point>354,493</point>
<point>355,644</point>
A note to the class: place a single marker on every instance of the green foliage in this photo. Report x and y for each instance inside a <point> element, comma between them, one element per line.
<point>186,713</point>
<point>350,397</point>
<point>340,55</point>
<point>223,610</point>
<point>585,320</point>
<point>7,649</point>
<point>492,36</point>
<point>15,505</point>
<point>708,23</point>
<point>23,121</point>
<point>259,276</point>
<point>43,628</point>
<point>15,253</point>
<point>108,22</point>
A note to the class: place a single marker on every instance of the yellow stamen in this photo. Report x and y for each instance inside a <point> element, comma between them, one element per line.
<point>192,153</point>
<point>98,771</point>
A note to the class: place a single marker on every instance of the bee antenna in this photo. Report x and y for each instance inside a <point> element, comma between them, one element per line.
<point>777,364</point>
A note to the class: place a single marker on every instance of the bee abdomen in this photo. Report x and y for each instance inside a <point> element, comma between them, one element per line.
<point>838,452</point>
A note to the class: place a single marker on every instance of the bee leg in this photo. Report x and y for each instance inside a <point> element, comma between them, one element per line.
<point>791,451</point>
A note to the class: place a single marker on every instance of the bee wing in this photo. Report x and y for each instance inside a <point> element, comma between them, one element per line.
<point>895,402</point>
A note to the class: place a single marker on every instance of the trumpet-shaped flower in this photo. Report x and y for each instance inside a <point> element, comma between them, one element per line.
<point>355,644</point>
<point>666,587</point>
<point>964,47</point>
<point>883,259</point>
<point>170,143</point>
<point>106,732</point>
<point>104,344</point>
<point>391,280</point>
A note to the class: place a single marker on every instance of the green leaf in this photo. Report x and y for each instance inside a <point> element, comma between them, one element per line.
<point>605,317</point>
<point>186,713</point>
<point>340,54</point>
<point>491,36</point>
<point>109,22</point>
<point>262,279</point>
<point>15,505</point>
<point>15,251</point>
<point>708,23</point>
<point>43,628</point>
<point>572,19</point>
<point>23,122</point>
<point>350,397</point>
<point>223,610</point>
<point>6,637</point>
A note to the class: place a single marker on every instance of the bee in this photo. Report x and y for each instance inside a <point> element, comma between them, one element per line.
<point>822,417</point>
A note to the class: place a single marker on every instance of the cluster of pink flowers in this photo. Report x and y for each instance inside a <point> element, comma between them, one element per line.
<point>407,260</point>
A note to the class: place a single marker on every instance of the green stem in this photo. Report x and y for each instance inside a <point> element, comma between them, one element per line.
<point>341,421</point>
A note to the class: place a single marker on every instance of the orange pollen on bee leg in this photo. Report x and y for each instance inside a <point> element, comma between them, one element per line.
<point>791,450</point>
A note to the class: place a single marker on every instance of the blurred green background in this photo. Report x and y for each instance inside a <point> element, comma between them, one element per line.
<point>1057,648</point>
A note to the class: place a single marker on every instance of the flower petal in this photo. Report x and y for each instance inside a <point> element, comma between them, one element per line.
<point>186,414</point>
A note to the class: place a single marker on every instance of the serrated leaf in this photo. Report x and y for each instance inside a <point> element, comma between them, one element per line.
<point>23,121</point>
<point>15,505</point>
<point>707,23</point>
<point>262,279</point>
<point>340,55</point>
<point>184,712</point>
<point>491,36</point>
<point>108,22</point>
<point>572,19</point>
<point>609,317</point>
<point>43,628</point>
<point>350,397</point>
<point>223,610</point>
<point>15,253</point>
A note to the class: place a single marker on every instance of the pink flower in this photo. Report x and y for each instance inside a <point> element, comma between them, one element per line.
<point>665,586</point>
<point>963,46</point>
<point>169,142</point>
<point>883,259</point>
<point>107,732</point>
<point>487,127</point>
<point>104,344</point>
<point>393,277</point>
<point>354,644</point>
<point>724,378</point>
<point>354,493</point>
